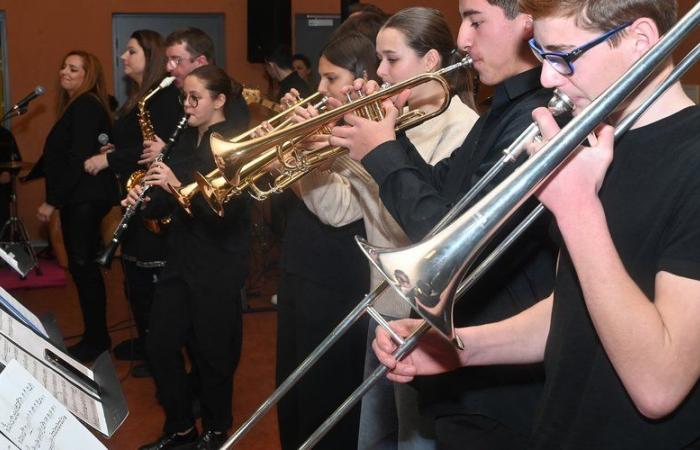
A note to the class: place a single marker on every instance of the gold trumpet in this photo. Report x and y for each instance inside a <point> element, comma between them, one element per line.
<point>242,163</point>
<point>213,185</point>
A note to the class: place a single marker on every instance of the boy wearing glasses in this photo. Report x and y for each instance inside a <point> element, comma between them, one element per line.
<point>491,407</point>
<point>620,335</point>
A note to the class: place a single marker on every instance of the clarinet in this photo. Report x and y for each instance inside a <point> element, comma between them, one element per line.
<point>105,259</point>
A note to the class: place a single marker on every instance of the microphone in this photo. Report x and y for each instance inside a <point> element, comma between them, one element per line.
<point>20,105</point>
<point>103,139</point>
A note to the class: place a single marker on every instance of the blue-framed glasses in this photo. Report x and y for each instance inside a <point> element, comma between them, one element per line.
<point>563,62</point>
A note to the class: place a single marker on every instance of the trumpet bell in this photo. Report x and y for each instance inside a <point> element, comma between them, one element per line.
<point>184,194</point>
<point>215,188</point>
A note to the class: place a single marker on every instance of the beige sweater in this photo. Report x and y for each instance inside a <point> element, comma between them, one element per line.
<point>348,193</point>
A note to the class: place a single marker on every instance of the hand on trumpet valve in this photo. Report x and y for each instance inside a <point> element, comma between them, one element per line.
<point>94,164</point>
<point>361,135</point>
<point>574,187</point>
<point>290,98</point>
<point>159,174</point>
<point>433,354</point>
<point>133,195</point>
<point>151,149</point>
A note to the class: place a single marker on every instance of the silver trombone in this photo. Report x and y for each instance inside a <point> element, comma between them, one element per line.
<point>407,344</point>
<point>558,104</point>
<point>500,204</point>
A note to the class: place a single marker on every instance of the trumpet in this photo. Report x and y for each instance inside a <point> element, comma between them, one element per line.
<point>243,163</point>
<point>213,185</point>
<point>460,235</point>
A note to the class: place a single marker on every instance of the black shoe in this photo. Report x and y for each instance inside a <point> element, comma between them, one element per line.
<point>174,441</point>
<point>141,371</point>
<point>86,351</point>
<point>211,440</point>
<point>130,350</point>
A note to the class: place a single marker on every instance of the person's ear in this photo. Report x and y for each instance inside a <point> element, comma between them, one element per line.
<point>219,101</point>
<point>528,26</point>
<point>642,34</point>
<point>431,60</point>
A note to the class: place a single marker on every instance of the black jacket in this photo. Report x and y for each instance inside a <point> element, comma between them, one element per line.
<point>419,195</point>
<point>71,141</point>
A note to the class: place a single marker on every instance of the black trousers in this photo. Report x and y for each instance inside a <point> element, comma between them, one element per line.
<point>80,225</point>
<point>306,314</point>
<point>200,314</point>
<point>476,432</point>
<point>140,287</point>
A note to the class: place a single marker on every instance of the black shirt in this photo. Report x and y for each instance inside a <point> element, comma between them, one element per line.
<point>203,244</point>
<point>293,80</point>
<point>651,198</point>
<point>71,141</point>
<point>419,195</point>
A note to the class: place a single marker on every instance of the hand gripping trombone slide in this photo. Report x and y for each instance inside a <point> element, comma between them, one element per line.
<point>105,259</point>
<point>553,154</point>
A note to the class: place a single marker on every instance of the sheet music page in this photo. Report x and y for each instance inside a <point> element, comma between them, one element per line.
<point>24,314</point>
<point>34,420</point>
<point>84,406</point>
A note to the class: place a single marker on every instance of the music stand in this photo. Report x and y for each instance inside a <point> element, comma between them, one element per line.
<point>13,232</point>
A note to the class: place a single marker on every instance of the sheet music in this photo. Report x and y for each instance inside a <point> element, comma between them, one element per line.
<point>22,313</point>
<point>84,406</point>
<point>33,419</point>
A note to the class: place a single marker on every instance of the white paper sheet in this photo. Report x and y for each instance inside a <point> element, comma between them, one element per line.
<point>34,419</point>
<point>84,406</point>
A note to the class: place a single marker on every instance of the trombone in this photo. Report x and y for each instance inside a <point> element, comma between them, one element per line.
<point>472,230</point>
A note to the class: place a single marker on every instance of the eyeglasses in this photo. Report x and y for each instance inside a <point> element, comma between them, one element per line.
<point>191,100</point>
<point>177,60</point>
<point>563,62</point>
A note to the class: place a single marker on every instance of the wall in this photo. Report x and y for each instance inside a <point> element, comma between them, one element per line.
<point>39,33</point>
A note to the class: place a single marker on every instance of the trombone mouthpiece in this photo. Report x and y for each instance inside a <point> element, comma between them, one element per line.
<point>167,81</point>
<point>560,103</point>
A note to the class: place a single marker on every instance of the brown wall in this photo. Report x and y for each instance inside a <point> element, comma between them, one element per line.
<point>37,40</point>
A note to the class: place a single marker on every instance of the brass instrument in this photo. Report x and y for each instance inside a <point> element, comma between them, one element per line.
<point>437,268</point>
<point>241,163</point>
<point>148,134</point>
<point>213,185</point>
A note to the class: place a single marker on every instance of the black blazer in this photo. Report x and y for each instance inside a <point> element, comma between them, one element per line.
<point>71,141</point>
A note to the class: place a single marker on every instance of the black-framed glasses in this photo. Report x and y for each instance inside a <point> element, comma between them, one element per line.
<point>187,99</point>
<point>563,62</point>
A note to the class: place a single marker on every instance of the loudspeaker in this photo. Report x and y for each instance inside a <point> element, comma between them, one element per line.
<point>269,26</point>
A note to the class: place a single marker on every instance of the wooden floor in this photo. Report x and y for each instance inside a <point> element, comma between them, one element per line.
<point>254,379</point>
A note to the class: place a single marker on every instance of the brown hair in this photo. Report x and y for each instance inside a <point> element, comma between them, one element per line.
<point>603,15</point>
<point>94,82</point>
<point>215,80</point>
<point>154,52</point>
<point>352,51</point>
<point>367,23</point>
<point>425,29</point>
<point>510,7</point>
<point>196,41</point>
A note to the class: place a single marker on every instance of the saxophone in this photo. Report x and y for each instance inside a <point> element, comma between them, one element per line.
<point>148,134</point>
